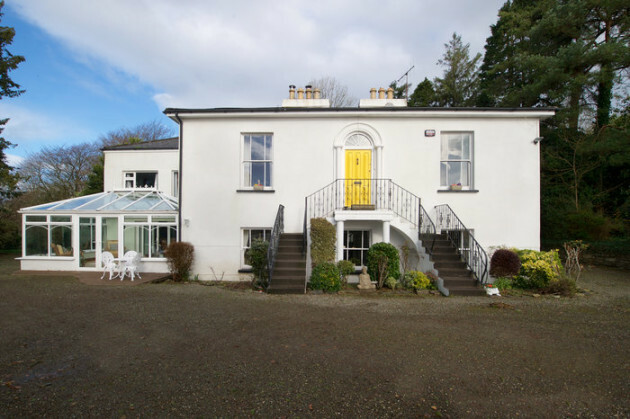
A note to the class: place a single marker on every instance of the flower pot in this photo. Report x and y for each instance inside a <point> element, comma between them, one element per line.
<point>456,187</point>
<point>258,187</point>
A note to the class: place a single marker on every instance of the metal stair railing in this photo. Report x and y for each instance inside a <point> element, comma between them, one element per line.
<point>427,231</point>
<point>467,246</point>
<point>274,239</point>
<point>375,194</point>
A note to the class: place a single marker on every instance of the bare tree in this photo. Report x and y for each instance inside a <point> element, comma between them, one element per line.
<point>334,91</point>
<point>148,131</point>
<point>59,172</point>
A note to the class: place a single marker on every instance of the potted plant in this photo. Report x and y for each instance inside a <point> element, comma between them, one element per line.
<point>456,187</point>
<point>258,186</point>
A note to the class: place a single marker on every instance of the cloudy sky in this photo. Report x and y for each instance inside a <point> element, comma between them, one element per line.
<point>95,66</point>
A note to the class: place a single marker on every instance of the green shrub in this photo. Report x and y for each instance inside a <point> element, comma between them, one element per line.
<point>325,276</point>
<point>391,283</point>
<point>503,283</point>
<point>323,241</point>
<point>564,285</point>
<point>179,257</point>
<point>345,268</point>
<point>416,280</point>
<point>385,257</point>
<point>538,269</point>
<point>257,257</point>
<point>504,262</point>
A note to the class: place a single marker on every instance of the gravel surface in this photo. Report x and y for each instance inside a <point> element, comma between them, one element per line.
<point>181,350</point>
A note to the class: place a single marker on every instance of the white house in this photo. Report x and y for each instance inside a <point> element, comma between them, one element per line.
<point>381,171</point>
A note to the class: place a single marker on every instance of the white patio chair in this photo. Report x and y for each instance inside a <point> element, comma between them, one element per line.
<point>130,262</point>
<point>109,265</point>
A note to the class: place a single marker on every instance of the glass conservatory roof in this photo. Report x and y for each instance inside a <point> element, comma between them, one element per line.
<point>114,201</point>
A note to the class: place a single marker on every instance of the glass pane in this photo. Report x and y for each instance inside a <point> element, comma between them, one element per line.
<point>76,202</point>
<point>246,241</point>
<point>36,241</point>
<point>454,148</point>
<point>247,174</point>
<point>137,238</point>
<point>87,241</point>
<point>355,239</point>
<point>466,146</point>
<point>36,218</point>
<point>268,174</point>
<point>247,153</point>
<point>61,218</point>
<point>258,173</point>
<point>136,218</point>
<point>163,219</point>
<point>355,256</point>
<point>268,147</point>
<point>109,230</point>
<point>61,241</point>
<point>258,147</point>
<point>258,235</point>
<point>366,239</point>
<point>161,237</point>
<point>146,180</point>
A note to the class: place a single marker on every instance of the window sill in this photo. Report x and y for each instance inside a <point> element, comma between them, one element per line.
<point>255,191</point>
<point>458,191</point>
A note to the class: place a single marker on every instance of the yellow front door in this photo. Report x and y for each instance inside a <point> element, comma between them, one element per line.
<point>358,175</point>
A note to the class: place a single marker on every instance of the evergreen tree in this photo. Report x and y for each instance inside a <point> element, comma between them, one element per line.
<point>423,95</point>
<point>459,84</point>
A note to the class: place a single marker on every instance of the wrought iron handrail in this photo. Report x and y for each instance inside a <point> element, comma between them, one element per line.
<point>426,230</point>
<point>474,255</point>
<point>363,194</point>
<point>274,239</point>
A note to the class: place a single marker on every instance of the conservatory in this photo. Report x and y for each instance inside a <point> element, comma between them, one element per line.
<point>72,234</point>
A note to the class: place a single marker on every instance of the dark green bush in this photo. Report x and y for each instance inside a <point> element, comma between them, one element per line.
<point>179,257</point>
<point>257,257</point>
<point>503,283</point>
<point>345,268</point>
<point>384,254</point>
<point>504,262</point>
<point>323,241</point>
<point>564,285</point>
<point>326,276</point>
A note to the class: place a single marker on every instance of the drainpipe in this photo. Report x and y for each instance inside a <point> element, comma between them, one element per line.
<point>181,174</point>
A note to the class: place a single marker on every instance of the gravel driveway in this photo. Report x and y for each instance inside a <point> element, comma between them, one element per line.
<point>71,349</point>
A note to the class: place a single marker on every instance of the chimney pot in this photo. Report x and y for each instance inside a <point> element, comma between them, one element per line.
<point>381,93</point>
<point>373,93</point>
<point>300,93</point>
<point>390,93</point>
<point>292,91</point>
<point>309,92</point>
<point>318,93</point>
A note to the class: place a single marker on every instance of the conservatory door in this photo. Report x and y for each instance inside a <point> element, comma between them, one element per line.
<point>87,242</point>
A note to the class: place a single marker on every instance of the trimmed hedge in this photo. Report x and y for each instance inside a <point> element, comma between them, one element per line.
<point>504,262</point>
<point>323,241</point>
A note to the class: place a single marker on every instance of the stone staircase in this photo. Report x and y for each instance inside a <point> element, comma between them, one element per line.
<point>289,271</point>
<point>458,279</point>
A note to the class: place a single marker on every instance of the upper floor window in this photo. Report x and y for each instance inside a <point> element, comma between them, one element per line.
<point>456,159</point>
<point>140,180</point>
<point>257,160</point>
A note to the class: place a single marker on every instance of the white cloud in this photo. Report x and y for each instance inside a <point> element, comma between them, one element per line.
<point>27,126</point>
<point>200,53</point>
<point>14,160</point>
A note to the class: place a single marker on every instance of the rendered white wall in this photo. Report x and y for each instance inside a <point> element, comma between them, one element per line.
<point>162,161</point>
<point>505,211</point>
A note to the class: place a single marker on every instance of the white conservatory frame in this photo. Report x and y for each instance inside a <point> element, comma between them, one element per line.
<point>144,220</point>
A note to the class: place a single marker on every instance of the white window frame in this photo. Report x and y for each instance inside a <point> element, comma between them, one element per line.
<point>49,221</point>
<point>467,162</point>
<point>247,181</point>
<point>150,222</point>
<point>244,247</point>
<point>363,249</point>
<point>132,176</point>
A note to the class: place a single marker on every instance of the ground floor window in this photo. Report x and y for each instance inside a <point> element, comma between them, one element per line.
<point>48,235</point>
<point>249,235</point>
<point>356,243</point>
<point>149,235</point>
